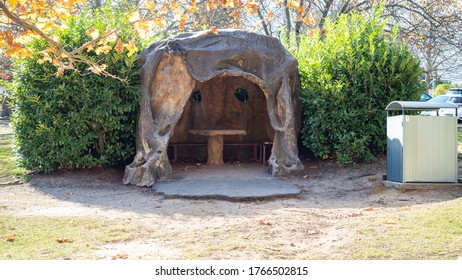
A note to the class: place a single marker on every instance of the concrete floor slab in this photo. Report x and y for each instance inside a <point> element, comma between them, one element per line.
<point>231,182</point>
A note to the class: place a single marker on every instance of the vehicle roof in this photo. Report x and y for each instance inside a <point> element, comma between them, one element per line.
<point>450,95</point>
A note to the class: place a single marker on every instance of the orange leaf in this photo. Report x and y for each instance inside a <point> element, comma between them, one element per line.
<point>293,4</point>
<point>214,30</point>
<point>119,47</point>
<point>10,238</point>
<point>150,5</point>
<point>309,21</point>
<point>183,21</point>
<point>120,256</point>
<point>60,71</point>
<point>51,49</point>
<point>192,7</point>
<point>64,240</point>
<point>93,33</point>
<point>251,7</point>
<point>369,209</point>
<point>269,16</point>
<point>265,223</point>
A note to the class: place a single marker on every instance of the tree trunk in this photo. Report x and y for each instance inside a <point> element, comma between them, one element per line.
<point>6,108</point>
<point>298,25</point>
<point>264,24</point>
<point>287,20</point>
<point>325,12</point>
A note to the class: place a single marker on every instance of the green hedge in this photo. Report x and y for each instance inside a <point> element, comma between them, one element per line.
<point>77,120</point>
<point>349,75</point>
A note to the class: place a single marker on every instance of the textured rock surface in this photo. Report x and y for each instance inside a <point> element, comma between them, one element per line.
<point>216,65</point>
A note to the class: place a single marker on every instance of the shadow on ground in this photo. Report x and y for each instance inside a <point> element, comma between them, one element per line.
<point>322,185</point>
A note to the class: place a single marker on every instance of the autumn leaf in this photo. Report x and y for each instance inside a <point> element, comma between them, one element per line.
<point>309,21</point>
<point>97,69</point>
<point>369,209</point>
<point>12,2</point>
<point>119,47</point>
<point>265,223</point>
<point>51,49</point>
<point>122,256</point>
<point>10,238</point>
<point>269,16</point>
<point>56,62</point>
<point>192,7</point>
<point>60,71</point>
<point>150,5</point>
<point>251,7</point>
<point>93,33</point>
<point>299,17</point>
<point>64,240</point>
<point>214,30</point>
<point>292,4</point>
<point>110,37</point>
<point>103,49</point>
<point>131,47</point>
<point>183,22</point>
<point>89,47</point>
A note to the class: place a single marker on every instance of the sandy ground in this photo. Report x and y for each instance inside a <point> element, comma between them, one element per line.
<point>282,228</point>
<point>315,224</point>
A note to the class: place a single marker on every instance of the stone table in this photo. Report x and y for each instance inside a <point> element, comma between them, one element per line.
<point>215,142</point>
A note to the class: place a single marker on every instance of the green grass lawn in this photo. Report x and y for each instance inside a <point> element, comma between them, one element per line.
<point>425,234</point>
<point>54,238</point>
<point>8,169</point>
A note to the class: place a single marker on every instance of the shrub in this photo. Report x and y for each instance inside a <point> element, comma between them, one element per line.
<point>349,75</point>
<point>442,89</point>
<point>77,120</point>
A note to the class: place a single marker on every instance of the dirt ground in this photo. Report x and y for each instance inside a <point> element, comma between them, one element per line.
<point>311,225</point>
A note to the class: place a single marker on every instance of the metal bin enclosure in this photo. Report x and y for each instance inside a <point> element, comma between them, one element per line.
<point>421,148</point>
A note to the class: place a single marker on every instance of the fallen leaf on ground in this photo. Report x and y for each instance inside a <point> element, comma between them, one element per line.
<point>369,209</point>
<point>158,206</point>
<point>120,256</point>
<point>353,214</point>
<point>10,238</point>
<point>63,240</point>
<point>263,222</point>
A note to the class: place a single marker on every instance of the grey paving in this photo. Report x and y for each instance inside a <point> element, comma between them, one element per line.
<point>229,182</point>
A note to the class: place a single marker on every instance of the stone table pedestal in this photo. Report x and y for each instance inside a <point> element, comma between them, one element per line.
<point>215,143</point>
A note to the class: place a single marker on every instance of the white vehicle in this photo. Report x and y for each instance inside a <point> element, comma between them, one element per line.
<point>449,98</point>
